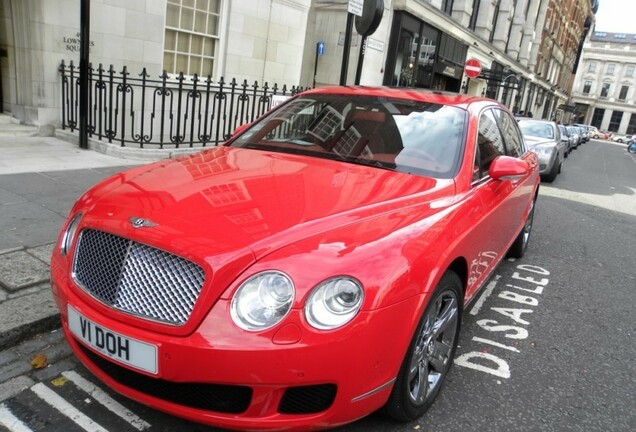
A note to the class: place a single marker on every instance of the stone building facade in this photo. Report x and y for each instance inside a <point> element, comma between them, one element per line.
<point>528,49</point>
<point>604,92</point>
<point>259,40</point>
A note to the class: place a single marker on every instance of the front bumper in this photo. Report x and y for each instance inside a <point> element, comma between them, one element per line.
<point>546,162</point>
<point>291,378</point>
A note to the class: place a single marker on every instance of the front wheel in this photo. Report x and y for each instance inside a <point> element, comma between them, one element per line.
<point>551,176</point>
<point>518,248</point>
<point>430,354</point>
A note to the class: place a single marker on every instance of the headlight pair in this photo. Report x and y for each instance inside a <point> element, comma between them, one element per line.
<point>543,150</point>
<point>266,298</point>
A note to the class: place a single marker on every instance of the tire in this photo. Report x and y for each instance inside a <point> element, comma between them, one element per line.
<point>430,354</point>
<point>549,177</point>
<point>561,165</point>
<point>518,248</point>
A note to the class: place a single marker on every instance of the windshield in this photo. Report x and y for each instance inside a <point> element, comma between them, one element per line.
<point>537,129</point>
<point>397,134</point>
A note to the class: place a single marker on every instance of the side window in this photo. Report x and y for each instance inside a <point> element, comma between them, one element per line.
<point>489,144</point>
<point>510,131</point>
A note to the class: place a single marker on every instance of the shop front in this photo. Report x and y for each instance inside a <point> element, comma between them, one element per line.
<point>422,56</point>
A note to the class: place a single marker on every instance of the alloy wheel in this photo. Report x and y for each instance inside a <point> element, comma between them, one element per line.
<point>431,356</point>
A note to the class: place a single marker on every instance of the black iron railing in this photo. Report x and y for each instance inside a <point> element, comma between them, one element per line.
<point>175,112</point>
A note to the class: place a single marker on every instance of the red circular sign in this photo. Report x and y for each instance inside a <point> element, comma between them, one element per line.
<point>472,69</point>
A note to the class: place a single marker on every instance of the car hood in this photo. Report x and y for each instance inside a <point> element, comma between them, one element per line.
<point>226,200</point>
<point>532,141</point>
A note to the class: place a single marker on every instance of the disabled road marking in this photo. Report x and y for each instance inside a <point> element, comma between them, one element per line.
<point>111,404</point>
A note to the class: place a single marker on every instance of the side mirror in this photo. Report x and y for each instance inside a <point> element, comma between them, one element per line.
<point>508,168</point>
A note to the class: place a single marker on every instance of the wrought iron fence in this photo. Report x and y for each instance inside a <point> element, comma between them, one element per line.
<point>174,112</point>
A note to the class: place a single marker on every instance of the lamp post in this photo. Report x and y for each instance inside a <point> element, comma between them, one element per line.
<point>85,21</point>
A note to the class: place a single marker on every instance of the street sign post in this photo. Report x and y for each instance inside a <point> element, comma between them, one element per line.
<point>355,7</point>
<point>472,68</point>
<point>320,51</point>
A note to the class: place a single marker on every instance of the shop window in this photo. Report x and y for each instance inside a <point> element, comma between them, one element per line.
<point>615,121</point>
<point>631,128</point>
<point>415,47</point>
<point>597,117</point>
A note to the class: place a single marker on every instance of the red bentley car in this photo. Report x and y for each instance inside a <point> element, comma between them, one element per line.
<point>309,272</point>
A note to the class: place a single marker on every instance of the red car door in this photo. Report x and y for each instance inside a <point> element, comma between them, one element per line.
<point>503,203</point>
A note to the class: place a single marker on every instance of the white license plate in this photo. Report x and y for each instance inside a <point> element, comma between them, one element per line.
<point>131,352</point>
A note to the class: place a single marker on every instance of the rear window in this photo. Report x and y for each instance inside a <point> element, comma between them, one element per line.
<point>396,134</point>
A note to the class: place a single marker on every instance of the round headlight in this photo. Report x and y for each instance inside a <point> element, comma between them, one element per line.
<point>262,301</point>
<point>334,303</point>
<point>69,234</point>
<point>543,150</point>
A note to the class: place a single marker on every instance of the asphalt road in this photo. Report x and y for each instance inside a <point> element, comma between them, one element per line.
<point>547,346</point>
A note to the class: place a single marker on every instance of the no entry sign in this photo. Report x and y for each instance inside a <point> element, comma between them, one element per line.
<point>472,69</point>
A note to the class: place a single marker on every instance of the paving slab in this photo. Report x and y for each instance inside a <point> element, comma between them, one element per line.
<point>42,252</point>
<point>14,386</point>
<point>28,291</point>
<point>19,270</point>
<point>25,316</point>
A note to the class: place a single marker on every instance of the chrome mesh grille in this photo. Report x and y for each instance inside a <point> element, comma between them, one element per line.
<point>137,278</point>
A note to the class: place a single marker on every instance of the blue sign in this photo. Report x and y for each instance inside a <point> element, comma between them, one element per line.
<point>320,48</point>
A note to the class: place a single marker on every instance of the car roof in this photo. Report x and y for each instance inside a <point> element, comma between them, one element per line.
<point>421,95</point>
<point>535,120</point>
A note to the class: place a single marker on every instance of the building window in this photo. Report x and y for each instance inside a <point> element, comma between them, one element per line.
<point>495,18</point>
<point>611,68</point>
<point>597,117</point>
<point>192,33</point>
<point>475,13</point>
<point>615,121</point>
<point>605,90</point>
<point>629,71</point>
<point>414,44</point>
<point>623,95</point>
<point>447,6</point>
<point>540,95</point>
<point>620,36</point>
<point>592,67</point>
<point>586,87</point>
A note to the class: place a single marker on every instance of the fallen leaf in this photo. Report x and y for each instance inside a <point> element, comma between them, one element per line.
<point>59,382</point>
<point>39,361</point>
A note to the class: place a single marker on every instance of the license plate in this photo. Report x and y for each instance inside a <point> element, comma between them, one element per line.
<point>131,352</point>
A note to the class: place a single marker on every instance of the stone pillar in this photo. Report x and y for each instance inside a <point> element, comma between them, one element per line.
<point>538,30</point>
<point>528,32</point>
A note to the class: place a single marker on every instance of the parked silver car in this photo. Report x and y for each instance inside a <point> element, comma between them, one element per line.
<point>585,133</point>
<point>568,139</point>
<point>574,131</point>
<point>544,138</point>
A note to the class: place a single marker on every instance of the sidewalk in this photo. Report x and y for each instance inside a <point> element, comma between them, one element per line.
<point>40,179</point>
